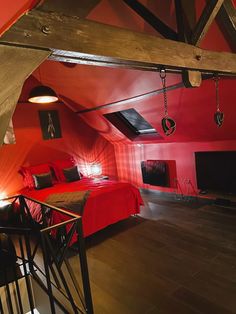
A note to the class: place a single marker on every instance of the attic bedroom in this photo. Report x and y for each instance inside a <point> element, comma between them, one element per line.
<point>119,195</point>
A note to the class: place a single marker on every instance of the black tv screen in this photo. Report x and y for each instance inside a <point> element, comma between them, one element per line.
<point>216,171</point>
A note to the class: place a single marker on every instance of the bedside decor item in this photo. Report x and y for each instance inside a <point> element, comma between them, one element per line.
<point>100,178</point>
<point>96,169</point>
<point>50,124</point>
<point>168,124</point>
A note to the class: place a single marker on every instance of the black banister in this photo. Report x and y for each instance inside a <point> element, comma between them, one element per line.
<point>54,253</point>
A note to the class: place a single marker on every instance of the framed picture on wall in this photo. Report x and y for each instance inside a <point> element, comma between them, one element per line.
<point>50,124</point>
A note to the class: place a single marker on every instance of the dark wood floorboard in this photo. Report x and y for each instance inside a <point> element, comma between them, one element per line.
<point>176,258</point>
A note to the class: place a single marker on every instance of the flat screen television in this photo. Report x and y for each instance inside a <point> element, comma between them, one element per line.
<point>216,171</point>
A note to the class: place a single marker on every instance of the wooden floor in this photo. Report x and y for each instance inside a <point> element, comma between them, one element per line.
<point>176,258</point>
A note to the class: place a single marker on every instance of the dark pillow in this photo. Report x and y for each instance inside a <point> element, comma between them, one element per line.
<point>71,174</point>
<point>28,172</point>
<point>43,180</point>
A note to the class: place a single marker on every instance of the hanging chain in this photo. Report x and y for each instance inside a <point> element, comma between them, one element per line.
<point>168,124</point>
<point>163,80</point>
<point>216,80</point>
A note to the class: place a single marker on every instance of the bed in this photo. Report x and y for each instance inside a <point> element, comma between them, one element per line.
<point>108,202</point>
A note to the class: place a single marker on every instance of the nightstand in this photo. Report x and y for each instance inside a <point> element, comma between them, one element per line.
<point>104,177</point>
<point>101,177</point>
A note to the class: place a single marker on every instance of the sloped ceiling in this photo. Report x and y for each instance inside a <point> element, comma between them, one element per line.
<point>84,87</point>
<point>11,11</point>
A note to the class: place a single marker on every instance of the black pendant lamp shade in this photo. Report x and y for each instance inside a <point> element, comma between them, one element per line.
<point>42,95</point>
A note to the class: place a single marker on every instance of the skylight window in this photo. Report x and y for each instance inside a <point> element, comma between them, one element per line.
<point>136,121</point>
<point>132,125</point>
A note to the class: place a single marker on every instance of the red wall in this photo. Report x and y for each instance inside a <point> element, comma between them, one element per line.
<point>78,140</point>
<point>129,157</point>
<point>10,11</point>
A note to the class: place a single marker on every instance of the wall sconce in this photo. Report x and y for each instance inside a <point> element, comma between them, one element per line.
<point>42,95</point>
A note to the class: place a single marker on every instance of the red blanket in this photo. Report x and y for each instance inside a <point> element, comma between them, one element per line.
<point>108,202</point>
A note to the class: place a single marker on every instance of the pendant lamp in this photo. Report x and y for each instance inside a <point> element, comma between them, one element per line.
<point>42,95</point>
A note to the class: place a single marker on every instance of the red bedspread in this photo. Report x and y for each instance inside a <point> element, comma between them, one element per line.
<point>108,202</point>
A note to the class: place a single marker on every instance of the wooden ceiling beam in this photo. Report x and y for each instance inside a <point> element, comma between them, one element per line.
<point>77,8</point>
<point>190,78</point>
<point>181,27</point>
<point>227,19</point>
<point>193,78</point>
<point>126,101</point>
<point>189,16</point>
<point>152,19</point>
<point>207,17</point>
<point>77,39</point>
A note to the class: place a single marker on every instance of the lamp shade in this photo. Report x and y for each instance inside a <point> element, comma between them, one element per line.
<point>42,95</point>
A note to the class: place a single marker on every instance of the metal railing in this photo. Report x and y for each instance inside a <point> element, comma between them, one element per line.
<point>14,269</point>
<point>67,289</point>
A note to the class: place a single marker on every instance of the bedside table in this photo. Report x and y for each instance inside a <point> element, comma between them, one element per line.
<point>100,177</point>
<point>104,177</point>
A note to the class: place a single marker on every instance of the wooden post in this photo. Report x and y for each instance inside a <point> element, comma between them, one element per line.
<point>16,65</point>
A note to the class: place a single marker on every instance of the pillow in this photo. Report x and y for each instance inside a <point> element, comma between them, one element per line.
<point>71,174</point>
<point>28,172</point>
<point>26,180</point>
<point>42,181</point>
<point>59,165</point>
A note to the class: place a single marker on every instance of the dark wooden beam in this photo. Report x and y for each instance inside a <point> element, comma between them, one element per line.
<point>76,39</point>
<point>189,17</point>
<point>77,8</point>
<point>190,78</point>
<point>208,15</point>
<point>152,19</point>
<point>126,101</point>
<point>181,27</point>
<point>16,65</point>
<point>87,59</point>
<point>193,78</point>
<point>227,20</point>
